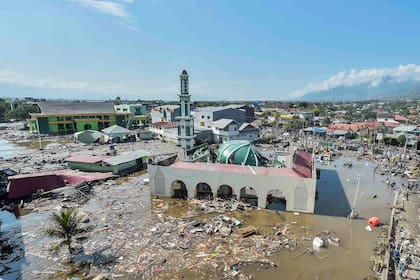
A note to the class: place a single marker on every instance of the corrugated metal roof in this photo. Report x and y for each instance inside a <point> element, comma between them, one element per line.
<point>222,123</point>
<point>405,128</point>
<point>245,125</point>
<point>242,169</point>
<point>26,184</point>
<point>86,159</point>
<point>219,108</point>
<point>115,129</point>
<point>126,157</point>
<point>58,108</point>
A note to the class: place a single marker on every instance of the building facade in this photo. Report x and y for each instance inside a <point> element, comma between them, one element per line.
<point>70,117</point>
<point>138,113</point>
<point>296,183</point>
<point>205,116</point>
<point>165,113</point>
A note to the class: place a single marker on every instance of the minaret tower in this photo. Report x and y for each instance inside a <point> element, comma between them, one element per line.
<point>185,120</point>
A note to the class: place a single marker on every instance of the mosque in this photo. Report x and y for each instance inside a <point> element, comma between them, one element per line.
<point>239,171</point>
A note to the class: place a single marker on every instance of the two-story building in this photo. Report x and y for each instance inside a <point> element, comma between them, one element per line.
<point>166,113</point>
<point>71,117</point>
<point>227,129</point>
<point>138,113</point>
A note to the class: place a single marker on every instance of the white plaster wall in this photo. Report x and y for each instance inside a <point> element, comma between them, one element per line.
<point>262,184</point>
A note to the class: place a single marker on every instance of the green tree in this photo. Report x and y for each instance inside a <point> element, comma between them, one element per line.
<point>401,139</point>
<point>22,112</point>
<point>294,124</point>
<point>67,226</point>
<point>326,121</point>
<point>4,108</point>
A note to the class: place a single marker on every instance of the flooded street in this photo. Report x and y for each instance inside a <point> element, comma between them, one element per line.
<point>9,150</point>
<point>124,219</point>
<point>336,193</point>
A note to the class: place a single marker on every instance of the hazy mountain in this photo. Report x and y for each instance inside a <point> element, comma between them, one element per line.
<point>388,89</point>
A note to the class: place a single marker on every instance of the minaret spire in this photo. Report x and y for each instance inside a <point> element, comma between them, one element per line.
<point>185,120</point>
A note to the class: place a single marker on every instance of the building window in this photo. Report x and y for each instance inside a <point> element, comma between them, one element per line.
<point>60,126</point>
<point>106,117</point>
<point>202,117</point>
<point>208,117</point>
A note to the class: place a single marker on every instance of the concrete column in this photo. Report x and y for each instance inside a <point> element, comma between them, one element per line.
<point>262,202</point>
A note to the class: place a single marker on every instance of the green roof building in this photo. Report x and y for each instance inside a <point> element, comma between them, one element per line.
<point>240,152</point>
<point>70,117</point>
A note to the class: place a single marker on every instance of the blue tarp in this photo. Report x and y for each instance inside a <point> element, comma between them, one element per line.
<point>319,130</point>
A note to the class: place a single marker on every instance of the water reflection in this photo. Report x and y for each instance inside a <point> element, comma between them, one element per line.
<point>12,247</point>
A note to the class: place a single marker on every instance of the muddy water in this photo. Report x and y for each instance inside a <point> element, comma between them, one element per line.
<point>336,195</point>
<point>9,150</point>
<point>36,144</point>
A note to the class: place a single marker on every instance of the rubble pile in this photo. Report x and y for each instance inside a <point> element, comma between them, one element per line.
<point>218,244</point>
<point>405,237</point>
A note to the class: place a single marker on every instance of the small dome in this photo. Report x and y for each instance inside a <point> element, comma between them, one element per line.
<point>240,152</point>
<point>184,72</point>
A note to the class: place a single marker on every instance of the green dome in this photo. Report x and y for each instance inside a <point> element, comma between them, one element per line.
<point>240,152</point>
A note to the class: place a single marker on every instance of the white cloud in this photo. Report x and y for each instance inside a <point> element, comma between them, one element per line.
<point>373,77</point>
<point>21,79</point>
<point>114,8</point>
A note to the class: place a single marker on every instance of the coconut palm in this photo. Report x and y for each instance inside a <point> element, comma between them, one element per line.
<point>67,225</point>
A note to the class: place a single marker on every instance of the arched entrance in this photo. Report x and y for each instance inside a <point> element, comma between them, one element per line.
<point>203,191</point>
<point>87,126</point>
<point>179,189</point>
<point>249,195</point>
<point>276,200</point>
<point>225,192</point>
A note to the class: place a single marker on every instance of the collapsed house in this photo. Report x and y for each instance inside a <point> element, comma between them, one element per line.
<point>20,186</point>
<point>240,174</point>
<point>120,164</point>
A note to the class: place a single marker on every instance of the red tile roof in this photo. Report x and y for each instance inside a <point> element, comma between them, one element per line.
<point>399,118</point>
<point>391,124</point>
<point>242,169</point>
<point>355,125</point>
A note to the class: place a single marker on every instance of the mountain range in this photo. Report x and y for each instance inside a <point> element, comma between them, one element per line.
<point>389,88</point>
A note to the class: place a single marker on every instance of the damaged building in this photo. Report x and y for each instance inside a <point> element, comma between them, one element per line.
<point>240,173</point>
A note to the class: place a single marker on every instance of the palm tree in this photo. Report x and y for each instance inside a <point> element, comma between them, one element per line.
<point>66,226</point>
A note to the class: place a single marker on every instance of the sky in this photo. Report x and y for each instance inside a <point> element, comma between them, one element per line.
<point>232,49</point>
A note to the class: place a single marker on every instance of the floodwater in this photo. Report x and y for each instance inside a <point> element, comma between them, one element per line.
<point>9,150</point>
<point>336,195</point>
<point>37,144</point>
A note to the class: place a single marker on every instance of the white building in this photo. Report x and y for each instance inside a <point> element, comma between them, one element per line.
<point>205,116</point>
<point>165,130</point>
<point>166,113</point>
<point>228,129</point>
